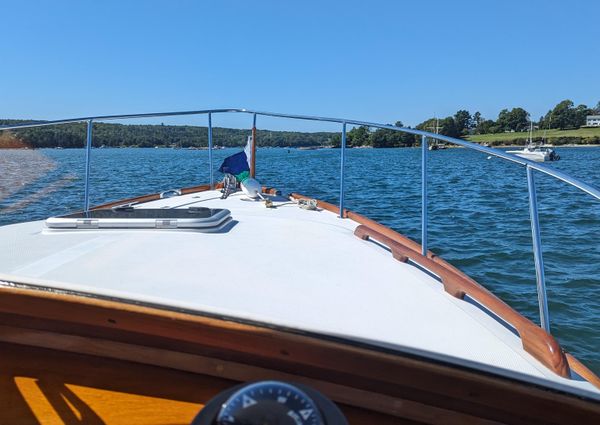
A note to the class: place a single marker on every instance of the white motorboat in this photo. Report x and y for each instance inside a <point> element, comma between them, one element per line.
<point>537,153</point>
<point>233,303</point>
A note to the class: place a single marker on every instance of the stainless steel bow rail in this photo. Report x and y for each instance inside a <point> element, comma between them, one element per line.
<point>426,136</point>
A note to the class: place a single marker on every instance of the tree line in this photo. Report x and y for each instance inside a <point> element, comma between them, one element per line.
<point>565,115</point>
<point>120,135</point>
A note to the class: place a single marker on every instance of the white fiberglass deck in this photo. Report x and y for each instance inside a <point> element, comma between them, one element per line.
<point>284,266</point>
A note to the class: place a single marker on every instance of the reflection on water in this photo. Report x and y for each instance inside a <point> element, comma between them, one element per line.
<point>20,167</point>
<point>478,211</point>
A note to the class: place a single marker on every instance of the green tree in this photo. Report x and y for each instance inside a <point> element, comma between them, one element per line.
<point>404,139</point>
<point>445,126</point>
<point>476,119</point>
<point>449,127</point>
<point>358,136</point>
<point>565,116</point>
<point>335,140</point>
<point>386,138</point>
<point>517,119</point>
<point>463,122</point>
<point>486,127</point>
<point>432,125</point>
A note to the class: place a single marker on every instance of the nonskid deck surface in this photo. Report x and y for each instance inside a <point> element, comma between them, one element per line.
<point>283,266</point>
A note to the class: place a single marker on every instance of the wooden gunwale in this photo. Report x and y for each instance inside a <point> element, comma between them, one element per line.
<point>536,341</point>
<point>183,341</point>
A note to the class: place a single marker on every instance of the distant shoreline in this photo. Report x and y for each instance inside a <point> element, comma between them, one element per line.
<point>196,137</point>
<point>449,146</point>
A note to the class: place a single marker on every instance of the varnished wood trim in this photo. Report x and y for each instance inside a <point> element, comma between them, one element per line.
<point>398,250</point>
<point>583,371</point>
<point>270,190</point>
<point>233,371</point>
<point>536,341</point>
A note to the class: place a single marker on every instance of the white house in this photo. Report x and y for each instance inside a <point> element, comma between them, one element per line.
<point>592,121</point>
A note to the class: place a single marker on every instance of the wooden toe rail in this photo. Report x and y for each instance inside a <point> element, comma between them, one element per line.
<point>536,341</point>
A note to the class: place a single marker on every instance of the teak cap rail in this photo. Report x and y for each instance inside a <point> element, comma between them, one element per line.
<point>536,341</point>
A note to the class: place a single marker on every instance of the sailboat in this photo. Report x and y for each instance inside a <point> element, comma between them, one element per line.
<point>436,145</point>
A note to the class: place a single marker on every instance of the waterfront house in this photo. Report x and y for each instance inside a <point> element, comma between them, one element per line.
<point>592,121</point>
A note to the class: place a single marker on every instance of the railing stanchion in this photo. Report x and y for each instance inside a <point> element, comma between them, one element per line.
<point>342,166</point>
<point>210,151</point>
<point>88,152</point>
<point>424,148</point>
<point>537,252</point>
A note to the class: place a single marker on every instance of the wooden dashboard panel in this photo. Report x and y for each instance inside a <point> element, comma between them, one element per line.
<point>42,386</point>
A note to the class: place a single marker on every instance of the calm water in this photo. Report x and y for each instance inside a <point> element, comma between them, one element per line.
<point>479,218</point>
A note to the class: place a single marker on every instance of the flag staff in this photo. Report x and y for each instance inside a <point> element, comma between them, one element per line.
<point>253,159</point>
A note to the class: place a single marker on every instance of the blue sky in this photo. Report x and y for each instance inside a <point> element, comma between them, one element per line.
<point>373,60</point>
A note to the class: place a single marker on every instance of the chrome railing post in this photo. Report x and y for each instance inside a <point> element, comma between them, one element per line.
<point>342,167</point>
<point>537,252</point>
<point>424,148</point>
<point>210,151</point>
<point>88,152</point>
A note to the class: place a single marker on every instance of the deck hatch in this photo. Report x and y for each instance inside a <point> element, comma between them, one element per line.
<point>206,219</point>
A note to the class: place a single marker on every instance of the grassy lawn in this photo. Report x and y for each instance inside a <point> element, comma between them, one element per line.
<point>582,133</point>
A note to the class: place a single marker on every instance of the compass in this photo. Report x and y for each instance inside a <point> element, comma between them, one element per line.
<point>270,402</point>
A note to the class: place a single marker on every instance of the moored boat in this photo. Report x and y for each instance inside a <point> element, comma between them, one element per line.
<point>155,308</point>
<point>537,153</point>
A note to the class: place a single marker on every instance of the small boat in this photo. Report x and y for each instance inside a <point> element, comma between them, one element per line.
<point>537,153</point>
<point>436,146</point>
<point>231,302</point>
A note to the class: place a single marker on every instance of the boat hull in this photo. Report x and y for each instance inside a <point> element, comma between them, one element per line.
<point>532,156</point>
